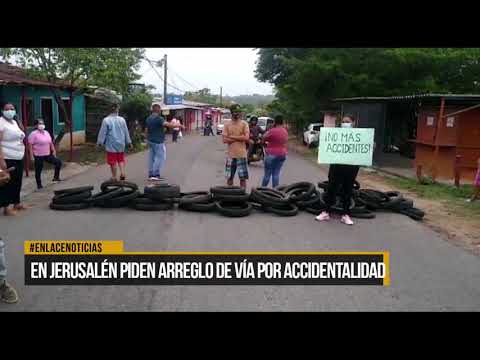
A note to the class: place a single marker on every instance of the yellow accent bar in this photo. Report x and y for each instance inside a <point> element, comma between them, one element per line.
<point>386,261</point>
<point>73,247</point>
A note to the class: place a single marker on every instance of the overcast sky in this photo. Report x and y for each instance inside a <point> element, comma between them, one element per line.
<point>191,69</point>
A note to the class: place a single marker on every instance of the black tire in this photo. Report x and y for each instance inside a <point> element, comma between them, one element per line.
<point>364,215</point>
<point>120,200</point>
<point>107,195</point>
<point>362,209</point>
<point>307,203</point>
<point>266,198</point>
<point>292,211</point>
<point>257,206</point>
<point>403,205</point>
<point>394,200</point>
<point>196,207</point>
<point>323,185</point>
<point>142,199</point>
<point>391,194</point>
<point>314,211</point>
<point>68,207</point>
<point>183,194</point>
<point>414,213</point>
<point>202,198</point>
<point>232,198</point>
<point>338,208</point>
<point>74,190</point>
<point>227,190</point>
<point>272,193</point>
<point>373,195</point>
<point>116,184</point>
<point>163,192</point>
<point>279,193</point>
<point>160,198</point>
<point>417,212</point>
<point>64,199</point>
<point>293,189</point>
<point>153,207</point>
<point>234,209</point>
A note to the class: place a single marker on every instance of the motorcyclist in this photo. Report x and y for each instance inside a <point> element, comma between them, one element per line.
<point>255,132</point>
<point>208,126</point>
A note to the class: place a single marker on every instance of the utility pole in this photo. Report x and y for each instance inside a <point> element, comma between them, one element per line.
<point>165,79</point>
<point>221,104</point>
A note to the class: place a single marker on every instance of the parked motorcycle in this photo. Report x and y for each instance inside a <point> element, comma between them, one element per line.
<point>258,151</point>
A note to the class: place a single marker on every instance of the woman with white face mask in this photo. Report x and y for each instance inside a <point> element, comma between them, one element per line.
<point>12,152</point>
<point>43,150</point>
<point>342,177</point>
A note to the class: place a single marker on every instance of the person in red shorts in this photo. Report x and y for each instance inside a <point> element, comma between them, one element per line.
<point>114,136</point>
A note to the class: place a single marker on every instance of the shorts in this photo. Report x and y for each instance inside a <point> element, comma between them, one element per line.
<point>231,167</point>
<point>115,158</point>
<point>477,179</point>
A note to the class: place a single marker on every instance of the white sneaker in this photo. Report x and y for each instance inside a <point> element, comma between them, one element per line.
<point>346,220</point>
<point>324,216</point>
<point>152,178</point>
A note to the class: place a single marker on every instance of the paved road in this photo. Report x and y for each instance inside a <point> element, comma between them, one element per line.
<point>427,273</point>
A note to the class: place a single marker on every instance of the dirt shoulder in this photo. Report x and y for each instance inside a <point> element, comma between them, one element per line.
<point>456,223</point>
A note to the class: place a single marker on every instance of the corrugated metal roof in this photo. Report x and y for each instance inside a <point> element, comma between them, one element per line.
<point>178,107</point>
<point>10,74</point>
<point>195,103</point>
<point>412,97</point>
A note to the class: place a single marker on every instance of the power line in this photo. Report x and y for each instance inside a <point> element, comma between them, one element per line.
<point>160,76</point>
<point>196,88</point>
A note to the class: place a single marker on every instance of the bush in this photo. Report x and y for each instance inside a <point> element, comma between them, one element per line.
<point>426,180</point>
<point>135,108</point>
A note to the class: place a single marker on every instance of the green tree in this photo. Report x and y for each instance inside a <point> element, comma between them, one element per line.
<point>113,68</point>
<point>203,95</point>
<point>306,80</point>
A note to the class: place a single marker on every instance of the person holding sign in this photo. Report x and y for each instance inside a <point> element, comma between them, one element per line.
<point>341,177</point>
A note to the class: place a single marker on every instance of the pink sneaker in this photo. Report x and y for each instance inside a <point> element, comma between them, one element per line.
<point>346,220</point>
<point>324,216</point>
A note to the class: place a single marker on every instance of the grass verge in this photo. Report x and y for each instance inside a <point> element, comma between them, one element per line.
<point>450,196</point>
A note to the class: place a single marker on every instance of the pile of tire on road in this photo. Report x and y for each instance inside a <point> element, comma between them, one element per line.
<point>72,199</point>
<point>233,201</point>
<point>365,202</point>
<point>157,198</point>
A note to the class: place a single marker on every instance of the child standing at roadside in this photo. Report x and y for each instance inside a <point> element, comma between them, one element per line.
<point>476,184</point>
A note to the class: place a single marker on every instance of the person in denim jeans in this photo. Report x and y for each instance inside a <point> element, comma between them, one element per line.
<point>155,134</point>
<point>276,140</point>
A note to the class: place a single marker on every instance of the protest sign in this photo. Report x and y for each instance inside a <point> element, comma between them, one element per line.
<point>346,146</point>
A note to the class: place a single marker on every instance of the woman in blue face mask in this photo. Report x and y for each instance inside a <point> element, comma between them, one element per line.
<point>342,177</point>
<point>12,151</point>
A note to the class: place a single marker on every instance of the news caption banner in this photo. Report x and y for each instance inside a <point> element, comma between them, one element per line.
<point>346,146</point>
<point>82,262</point>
